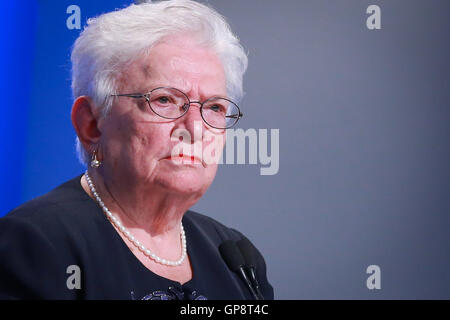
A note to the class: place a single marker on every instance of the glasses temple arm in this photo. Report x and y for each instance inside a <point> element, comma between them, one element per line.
<point>234,116</point>
<point>131,95</point>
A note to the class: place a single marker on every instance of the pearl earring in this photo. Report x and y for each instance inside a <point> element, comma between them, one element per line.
<point>94,162</point>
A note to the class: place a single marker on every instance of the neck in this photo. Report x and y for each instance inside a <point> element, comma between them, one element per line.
<point>152,212</point>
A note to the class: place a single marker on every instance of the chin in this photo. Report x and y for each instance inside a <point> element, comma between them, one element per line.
<point>186,182</point>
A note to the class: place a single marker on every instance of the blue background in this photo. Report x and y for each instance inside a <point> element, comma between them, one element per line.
<point>364,137</point>
<point>38,138</point>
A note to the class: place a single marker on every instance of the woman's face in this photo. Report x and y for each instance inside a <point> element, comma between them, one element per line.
<point>136,145</point>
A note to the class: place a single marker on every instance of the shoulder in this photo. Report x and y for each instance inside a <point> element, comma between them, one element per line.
<point>63,221</point>
<point>66,194</point>
<point>211,227</point>
<point>47,216</point>
<point>62,208</point>
<point>36,241</point>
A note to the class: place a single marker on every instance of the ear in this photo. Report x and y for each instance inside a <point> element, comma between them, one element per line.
<point>85,121</point>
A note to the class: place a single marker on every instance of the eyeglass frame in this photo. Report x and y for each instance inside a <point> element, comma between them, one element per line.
<point>146,96</point>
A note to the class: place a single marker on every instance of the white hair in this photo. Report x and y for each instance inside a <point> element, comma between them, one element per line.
<point>113,39</point>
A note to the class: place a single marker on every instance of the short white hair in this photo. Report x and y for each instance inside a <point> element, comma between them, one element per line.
<point>113,39</point>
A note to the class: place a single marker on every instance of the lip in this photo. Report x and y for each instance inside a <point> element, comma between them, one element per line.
<point>184,159</point>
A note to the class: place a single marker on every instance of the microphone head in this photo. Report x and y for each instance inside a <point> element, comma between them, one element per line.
<point>248,251</point>
<point>231,254</point>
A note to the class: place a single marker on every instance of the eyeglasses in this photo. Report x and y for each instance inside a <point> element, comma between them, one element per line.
<point>171,103</point>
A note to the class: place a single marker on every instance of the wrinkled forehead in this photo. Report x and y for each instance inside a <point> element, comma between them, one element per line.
<point>182,65</point>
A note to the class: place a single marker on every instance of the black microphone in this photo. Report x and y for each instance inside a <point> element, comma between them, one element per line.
<point>248,251</point>
<point>235,261</point>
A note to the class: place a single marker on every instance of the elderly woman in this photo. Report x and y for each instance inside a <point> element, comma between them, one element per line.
<point>154,86</point>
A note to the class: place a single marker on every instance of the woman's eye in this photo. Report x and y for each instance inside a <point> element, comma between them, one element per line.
<point>163,99</point>
<point>216,108</point>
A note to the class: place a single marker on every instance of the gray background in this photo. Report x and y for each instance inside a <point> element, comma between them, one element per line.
<point>364,147</point>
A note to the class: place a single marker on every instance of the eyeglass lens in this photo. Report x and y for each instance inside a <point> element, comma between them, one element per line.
<point>172,103</point>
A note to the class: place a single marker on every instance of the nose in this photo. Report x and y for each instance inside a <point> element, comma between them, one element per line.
<point>193,121</point>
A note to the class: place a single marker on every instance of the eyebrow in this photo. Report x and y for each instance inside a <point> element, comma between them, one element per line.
<point>165,85</point>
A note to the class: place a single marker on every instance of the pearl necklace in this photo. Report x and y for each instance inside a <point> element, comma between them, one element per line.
<point>128,234</point>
